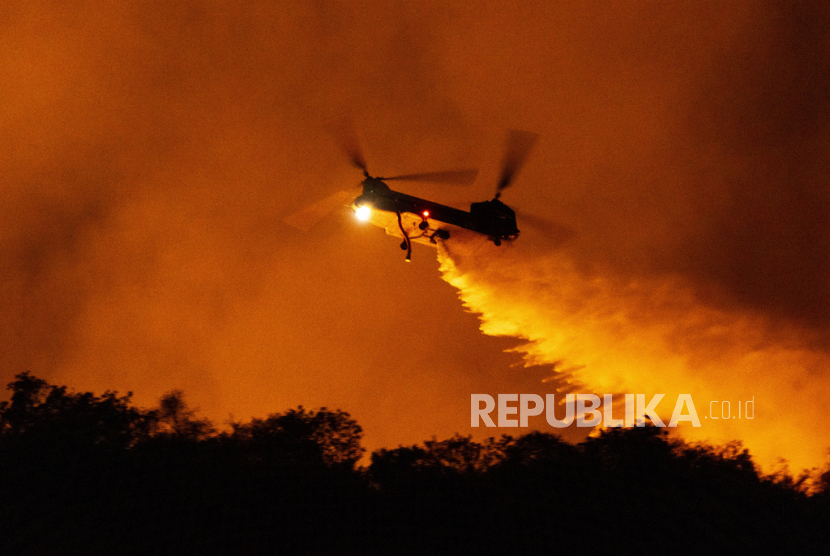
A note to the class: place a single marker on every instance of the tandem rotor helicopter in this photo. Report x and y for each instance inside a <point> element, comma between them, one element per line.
<point>419,220</point>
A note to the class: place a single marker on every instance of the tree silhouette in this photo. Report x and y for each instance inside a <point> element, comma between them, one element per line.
<point>175,419</point>
<point>93,474</point>
<point>40,412</point>
<point>303,437</point>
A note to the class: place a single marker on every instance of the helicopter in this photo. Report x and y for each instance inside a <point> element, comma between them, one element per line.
<point>417,220</point>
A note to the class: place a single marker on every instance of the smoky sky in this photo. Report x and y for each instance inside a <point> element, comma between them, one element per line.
<point>761,123</point>
<point>151,150</point>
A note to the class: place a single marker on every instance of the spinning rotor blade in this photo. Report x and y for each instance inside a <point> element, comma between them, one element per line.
<point>460,177</point>
<point>519,144</point>
<point>346,136</point>
<point>556,233</point>
<point>305,219</point>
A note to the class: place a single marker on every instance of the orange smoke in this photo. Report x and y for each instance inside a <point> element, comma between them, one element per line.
<point>653,336</point>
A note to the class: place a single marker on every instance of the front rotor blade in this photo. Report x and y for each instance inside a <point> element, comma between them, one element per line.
<point>306,218</point>
<point>459,177</point>
<point>519,144</point>
<point>344,133</point>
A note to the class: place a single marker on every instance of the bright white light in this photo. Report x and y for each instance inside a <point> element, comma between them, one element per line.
<point>363,212</point>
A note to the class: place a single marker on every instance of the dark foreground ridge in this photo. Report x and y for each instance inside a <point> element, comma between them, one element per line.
<point>87,474</point>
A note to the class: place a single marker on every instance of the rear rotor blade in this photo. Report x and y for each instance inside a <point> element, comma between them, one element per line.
<point>459,177</point>
<point>519,144</point>
<point>553,231</point>
<point>344,133</point>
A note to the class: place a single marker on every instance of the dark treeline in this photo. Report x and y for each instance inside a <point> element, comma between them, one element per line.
<point>87,474</point>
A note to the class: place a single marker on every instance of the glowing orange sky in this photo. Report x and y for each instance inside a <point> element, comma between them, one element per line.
<point>151,151</point>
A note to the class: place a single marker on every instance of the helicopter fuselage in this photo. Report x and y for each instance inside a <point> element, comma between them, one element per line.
<point>432,221</point>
